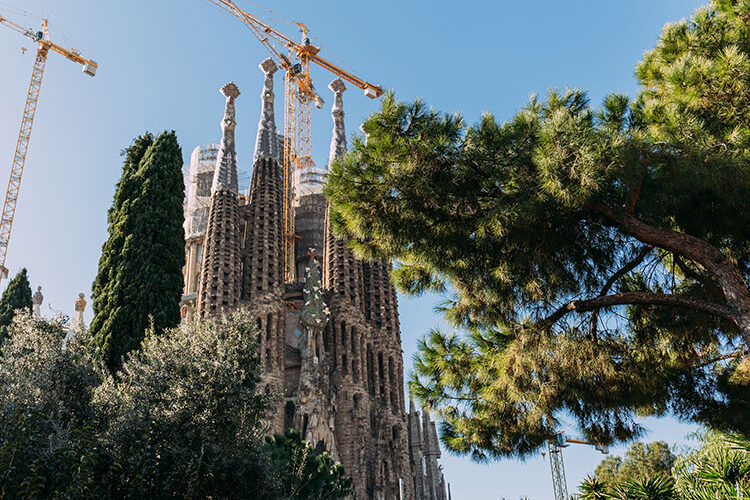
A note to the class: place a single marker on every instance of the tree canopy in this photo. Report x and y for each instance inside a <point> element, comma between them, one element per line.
<point>184,419</point>
<point>17,295</point>
<point>597,256</point>
<point>641,461</point>
<point>139,282</point>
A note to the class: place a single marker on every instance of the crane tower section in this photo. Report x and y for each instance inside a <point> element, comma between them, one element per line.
<point>27,121</point>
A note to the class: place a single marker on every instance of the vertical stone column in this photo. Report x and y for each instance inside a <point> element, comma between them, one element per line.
<point>416,451</point>
<point>264,265</point>
<point>220,270</point>
<point>342,273</point>
<point>266,142</point>
<point>434,478</point>
<point>338,139</point>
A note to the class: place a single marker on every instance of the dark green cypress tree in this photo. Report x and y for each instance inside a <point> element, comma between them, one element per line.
<point>127,190</point>
<point>16,296</point>
<point>144,282</point>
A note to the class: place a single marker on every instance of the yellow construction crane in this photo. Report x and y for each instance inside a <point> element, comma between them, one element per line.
<point>22,146</point>
<point>295,58</point>
<point>555,447</point>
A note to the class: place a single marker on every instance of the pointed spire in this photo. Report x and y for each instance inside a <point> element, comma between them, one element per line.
<point>266,144</point>
<point>225,176</point>
<point>338,141</point>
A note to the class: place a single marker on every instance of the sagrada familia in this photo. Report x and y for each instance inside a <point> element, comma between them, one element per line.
<point>330,341</point>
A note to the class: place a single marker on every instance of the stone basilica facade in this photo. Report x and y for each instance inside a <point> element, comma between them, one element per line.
<point>330,341</point>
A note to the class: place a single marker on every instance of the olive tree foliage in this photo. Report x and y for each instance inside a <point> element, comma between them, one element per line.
<point>597,256</point>
<point>184,418</point>
<point>47,439</point>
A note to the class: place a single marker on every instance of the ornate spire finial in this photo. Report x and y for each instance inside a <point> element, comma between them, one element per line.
<point>225,176</point>
<point>266,145</point>
<point>338,141</point>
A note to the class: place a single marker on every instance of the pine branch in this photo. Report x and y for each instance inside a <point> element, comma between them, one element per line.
<point>635,262</point>
<point>695,249</point>
<point>636,298</point>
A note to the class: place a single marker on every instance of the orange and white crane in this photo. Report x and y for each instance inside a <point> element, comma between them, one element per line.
<point>295,58</point>
<point>32,98</point>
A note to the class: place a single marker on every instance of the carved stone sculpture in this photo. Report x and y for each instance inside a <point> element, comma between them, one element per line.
<point>36,301</point>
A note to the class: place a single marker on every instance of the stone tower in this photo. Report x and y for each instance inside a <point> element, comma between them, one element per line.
<point>264,231</point>
<point>424,450</point>
<point>330,342</point>
<point>220,271</point>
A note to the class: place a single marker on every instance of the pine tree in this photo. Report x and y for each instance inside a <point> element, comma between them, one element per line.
<point>598,256</point>
<point>144,282</point>
<point>16,296</point>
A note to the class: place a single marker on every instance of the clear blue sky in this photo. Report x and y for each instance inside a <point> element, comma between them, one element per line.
<point>161,67</point>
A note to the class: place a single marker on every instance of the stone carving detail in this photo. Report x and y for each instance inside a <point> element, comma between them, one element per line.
<point>225,177</point>
<point>315,312</point>
<point>220,282</point>
<point>36,301</point>
<point>79,306</point>
<point>338,141</point>
<point>266,144</point>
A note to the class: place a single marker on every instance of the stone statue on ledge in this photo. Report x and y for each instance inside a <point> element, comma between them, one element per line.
<point>80,306</point>
<point>36,301</point>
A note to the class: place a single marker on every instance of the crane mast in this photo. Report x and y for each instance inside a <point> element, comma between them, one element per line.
<point>299,96</point>
<point>557,465</point>
<point>27,121</point>
<point>559,483</point>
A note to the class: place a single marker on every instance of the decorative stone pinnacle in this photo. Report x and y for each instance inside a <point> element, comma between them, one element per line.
<point>268,65</point>
<point>230,91</point>
<point>266,143</point>
<point>338,141</point>
<point>337,87</point>
<point>225,175</point>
